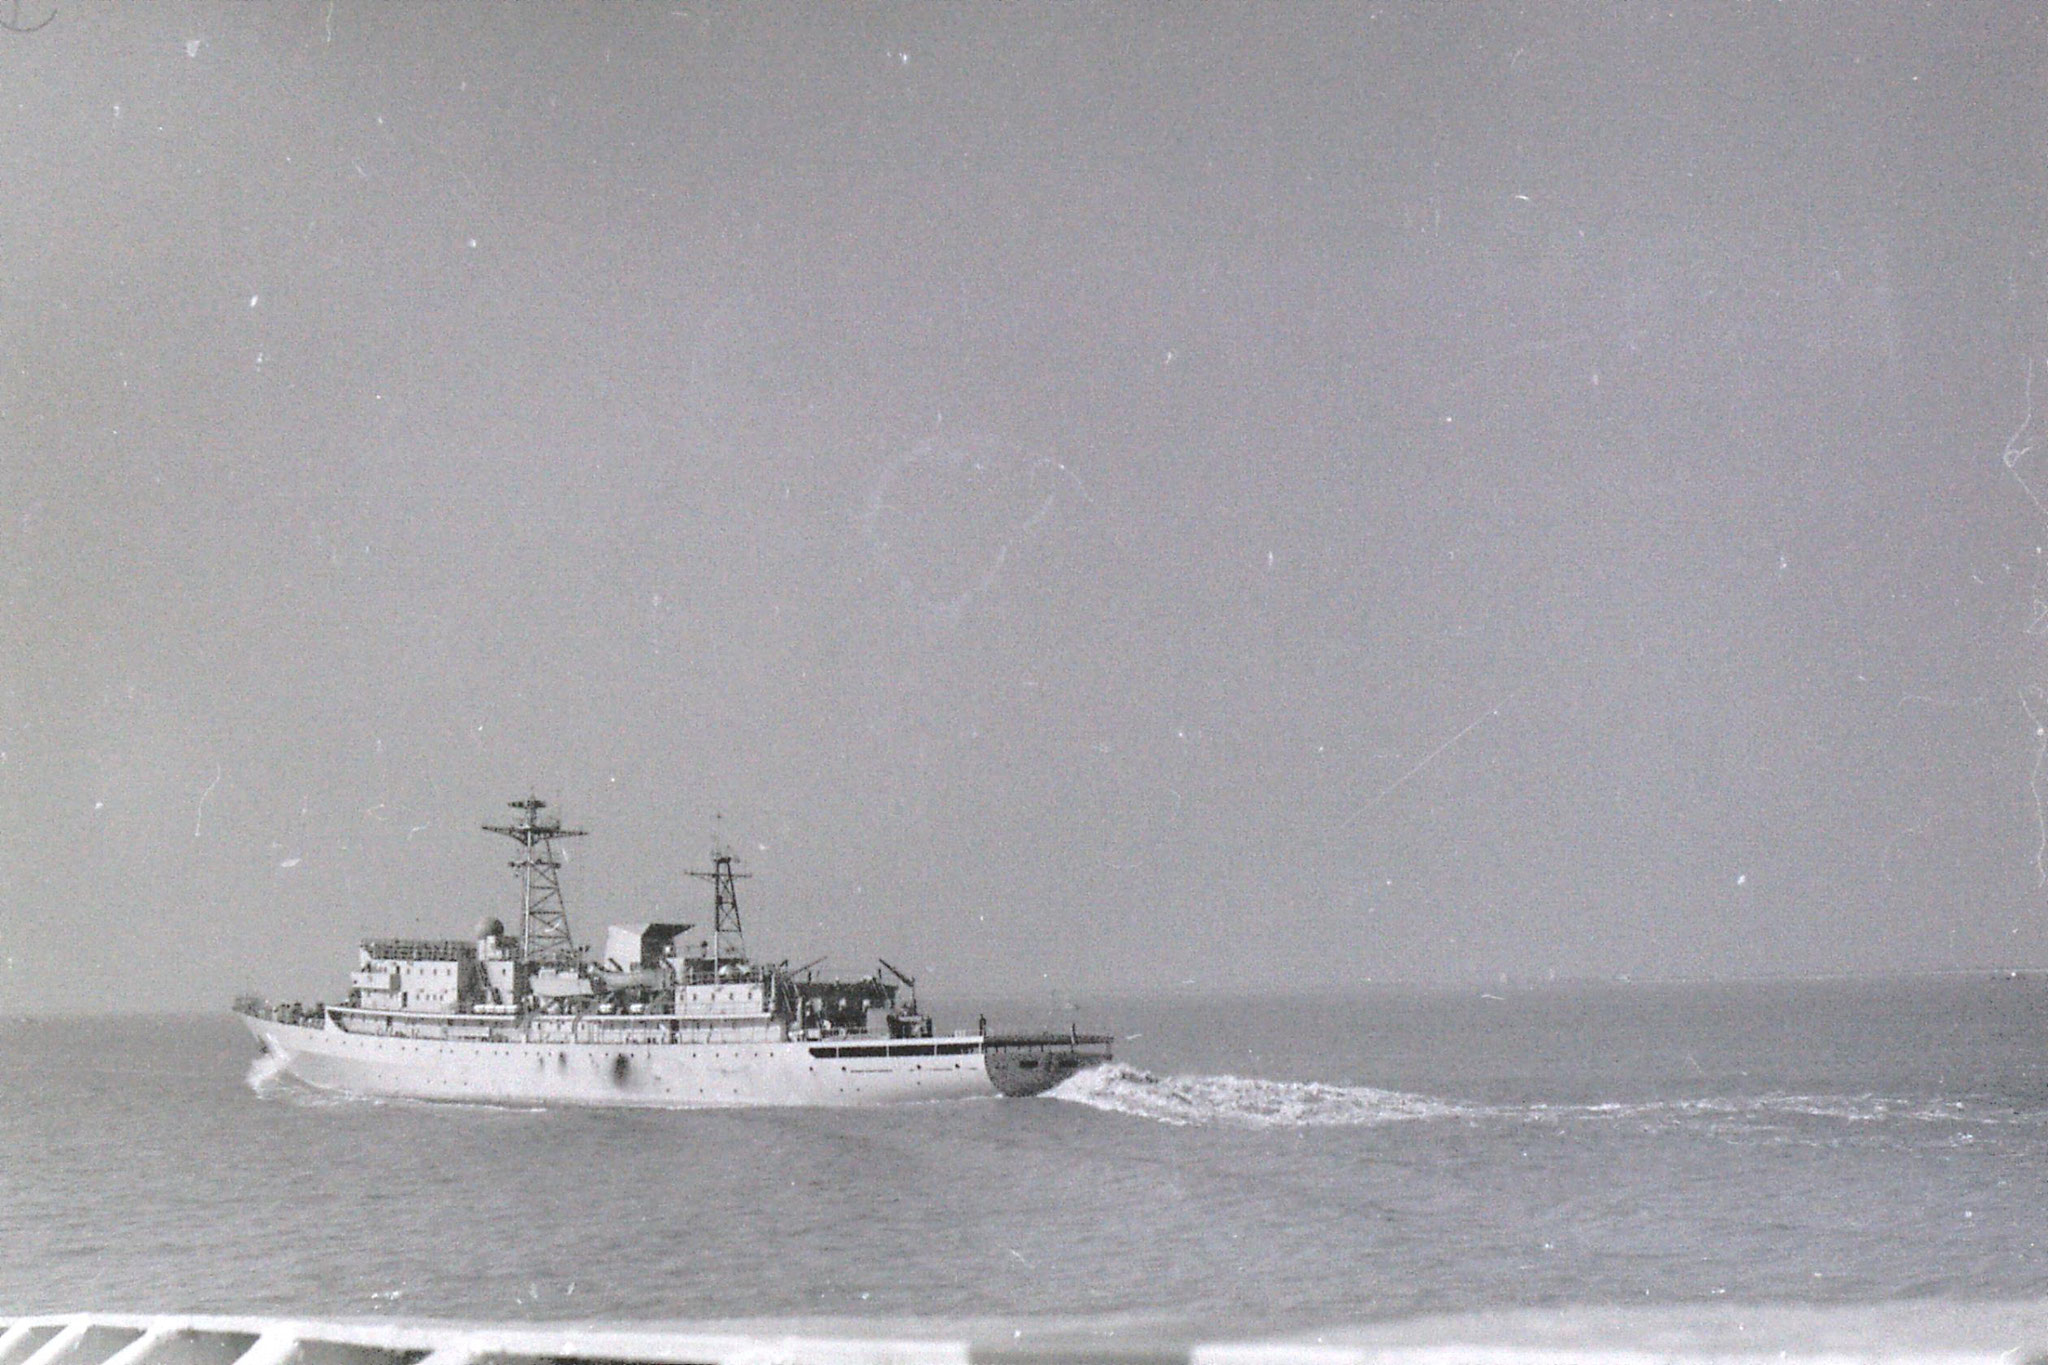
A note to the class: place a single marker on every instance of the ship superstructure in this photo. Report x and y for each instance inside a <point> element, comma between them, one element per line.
<point>658,1020</point>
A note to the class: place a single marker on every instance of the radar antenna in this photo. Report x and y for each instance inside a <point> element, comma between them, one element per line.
<point>726,943</point>
<point>544,922</point>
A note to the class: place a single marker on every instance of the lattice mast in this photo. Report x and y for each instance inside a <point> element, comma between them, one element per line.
<point>544,937</point>
<point>727,945</point>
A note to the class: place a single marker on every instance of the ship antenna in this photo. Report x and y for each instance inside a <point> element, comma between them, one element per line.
<point>544,922</point>
<point>726,941</point>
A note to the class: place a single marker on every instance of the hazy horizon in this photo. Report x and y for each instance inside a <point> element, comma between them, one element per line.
<point>954,1010</point>
<point>1083,500</point>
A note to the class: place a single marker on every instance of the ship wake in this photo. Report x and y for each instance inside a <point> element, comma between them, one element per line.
<point>1250,1102</point>
<point>1247,1101</point>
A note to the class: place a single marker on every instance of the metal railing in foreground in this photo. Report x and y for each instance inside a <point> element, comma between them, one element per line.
<point>1884,1334</point>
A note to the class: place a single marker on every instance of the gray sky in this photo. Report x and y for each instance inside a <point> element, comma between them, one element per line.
<point>1099,498</point>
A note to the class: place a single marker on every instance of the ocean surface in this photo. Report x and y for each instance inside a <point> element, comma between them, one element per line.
<point>1247,1166</point>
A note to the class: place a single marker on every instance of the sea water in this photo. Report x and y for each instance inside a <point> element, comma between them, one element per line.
<point>1246,1166</point>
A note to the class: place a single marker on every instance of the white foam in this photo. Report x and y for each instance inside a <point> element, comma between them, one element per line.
<point>264,1070</point>
<point>1246,1101</point>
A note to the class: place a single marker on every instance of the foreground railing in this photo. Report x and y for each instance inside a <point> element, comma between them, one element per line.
<point>1884,1334</point>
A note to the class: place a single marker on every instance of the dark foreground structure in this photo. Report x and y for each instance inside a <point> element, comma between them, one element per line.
<point>1732,1334</point>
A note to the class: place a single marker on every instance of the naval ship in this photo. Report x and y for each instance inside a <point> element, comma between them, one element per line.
<point>659,1021</point>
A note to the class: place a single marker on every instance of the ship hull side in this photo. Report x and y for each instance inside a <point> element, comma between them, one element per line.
<point>658,1075</point>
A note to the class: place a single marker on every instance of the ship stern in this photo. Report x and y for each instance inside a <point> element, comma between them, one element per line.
<point>1023,1064</point>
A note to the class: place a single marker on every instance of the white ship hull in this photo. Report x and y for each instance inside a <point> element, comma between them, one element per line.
<point>532,1018</point>
<point>649,1075</point>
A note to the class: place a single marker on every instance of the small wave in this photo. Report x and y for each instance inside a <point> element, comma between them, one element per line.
<point>1246,1101</point>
